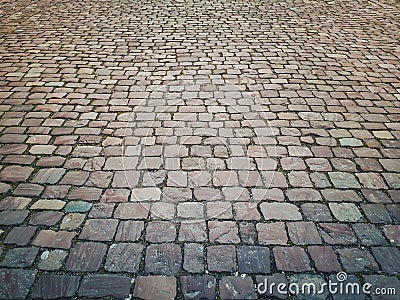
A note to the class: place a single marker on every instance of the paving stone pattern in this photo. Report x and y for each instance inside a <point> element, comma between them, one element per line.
<point>192,149</point>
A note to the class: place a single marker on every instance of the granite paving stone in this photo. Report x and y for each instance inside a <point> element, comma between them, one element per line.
<point>345,212</point>
<point>292,259</point>
<point>369,234</point>
<point>129,230</point>
<point>105,285</point>
<point>335,233</point>
<point>193,258</point>
<point>325,258</point>
<point>20,257</point>
<point>99,230</point>
<point>51,286</point>
<point>198,287</point>
<point>351,280</point>
<point>72,221</point>
<point>356,260</point>
<point>303,233</point>
<point>16,283</point>
<point>265,288</point>
<point>52,260</point>
<point>253,259</point>
<point>192,149</point>
<point>20,235</point>
<point>47,218</point>
<point>14,203</point>
<point>388,258</point>
<point>155,287</point>
<point>221,258</point>
<point>272,233</point>
<point>232,287</point>
<point>163,259</point>
<point>392,234</point>
<point>54,239</point>
<point>124,257</point>
<point>13,217</point>
<point>86,257</point>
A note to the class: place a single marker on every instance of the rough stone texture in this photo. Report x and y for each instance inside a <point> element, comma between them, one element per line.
<point>20,235</point>
<point>388,258</point>
<point>124,257</point>
<point>72,221</point>
<point>14,203</point>
<point>99,230</point>
<point>20,257</point>
<point>15,173</point>
<point>223,232</point>
<point>48,218</point>
<point>86,257</point>
<point>316,212</point>
<point>272,233</point>
<point>193,231</point>
<point>324,258</point>
<point>52,260</point>
<point>221,258</point>
<point>54,239</point>
<point>350,281</point>
<point>253,259</point>
<point>155,287</point>
<point>16,283</point>
<point>237,288</point>
<point>344,180</point>
<point>131,211</point>
<point>291,259</point>
<point>193,258</point>
<point>50,176</point>
<point>382,281</point>
<point>303,233</point>
<point>280,211</point>
<point>163,259</point>
<point>392,233</point>
<point>104,285</point>
<point>160,231</point>
<point>10,217</point>
<point>78,206</point>
<point>337,234</point>
<point>198,287</point>
<point>48,204</point>
<point>129,231</point>
<point>223,128</point>
<point>369,234</point>
<point>264,285</point>
<point>356,260</point>
<point>345,212</point>
<point>51,286</point>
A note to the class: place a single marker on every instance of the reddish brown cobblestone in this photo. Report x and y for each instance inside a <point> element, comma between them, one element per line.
<point>190,149</point>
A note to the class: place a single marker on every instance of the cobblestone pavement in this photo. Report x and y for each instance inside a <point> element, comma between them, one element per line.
<point>192,149</point>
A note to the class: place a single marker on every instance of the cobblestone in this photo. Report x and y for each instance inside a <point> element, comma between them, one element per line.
<point>155,287</point>
<point>124,257</point>
<point>51,286</point>
<point>291,259</point>
<point>104,285</point>
<point>211,143</point>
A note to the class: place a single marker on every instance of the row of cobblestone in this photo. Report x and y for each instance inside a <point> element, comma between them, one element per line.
<point>197,149</point>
